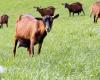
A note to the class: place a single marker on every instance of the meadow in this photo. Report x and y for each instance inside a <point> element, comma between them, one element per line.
<point>71,51</point>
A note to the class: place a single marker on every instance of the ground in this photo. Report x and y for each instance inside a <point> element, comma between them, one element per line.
<point>71,51</point>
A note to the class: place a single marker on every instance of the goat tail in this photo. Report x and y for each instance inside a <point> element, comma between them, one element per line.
<point>19,18</point>
<point>83,11</point>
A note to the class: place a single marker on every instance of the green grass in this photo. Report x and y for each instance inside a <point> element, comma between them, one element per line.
<point>71,51</point>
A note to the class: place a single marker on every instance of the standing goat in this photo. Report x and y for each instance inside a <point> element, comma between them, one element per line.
<point>31,30</point>
<point>74,8</point>
<point>95,11</point>
<point>46,11</point>
<point>4,20</point>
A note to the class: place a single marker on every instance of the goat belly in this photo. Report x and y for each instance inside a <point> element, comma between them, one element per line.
<point>24,43</point>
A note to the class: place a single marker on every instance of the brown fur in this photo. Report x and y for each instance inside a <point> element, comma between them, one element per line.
<point>30,31</point>
<point>4,20</point>
<point>46,11</point>
<point>74,8</point>
<point>95,11</point>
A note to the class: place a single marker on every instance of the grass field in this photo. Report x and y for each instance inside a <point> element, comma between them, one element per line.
<point>71,51</point>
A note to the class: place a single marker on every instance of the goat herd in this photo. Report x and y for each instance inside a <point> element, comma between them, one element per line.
<point>32,30</point>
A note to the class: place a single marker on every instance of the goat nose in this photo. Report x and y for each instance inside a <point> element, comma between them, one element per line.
<point>47,29</point>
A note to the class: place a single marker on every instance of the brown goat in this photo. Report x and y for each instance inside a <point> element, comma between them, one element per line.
<point>95,10</point>
<point>31,30</point>
<point>78,3</point>
<point>46,11</point>
<point>4,20</point>
<point>74,8</point>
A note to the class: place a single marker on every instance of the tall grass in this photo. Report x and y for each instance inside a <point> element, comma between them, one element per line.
<point>71,51</point>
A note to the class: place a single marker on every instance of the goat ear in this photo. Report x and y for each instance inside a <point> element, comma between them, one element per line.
<point>56,16</point>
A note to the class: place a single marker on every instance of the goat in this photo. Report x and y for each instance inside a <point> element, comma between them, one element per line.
<point>4,20</point>
<point>74,8</point>
<point>31,31</point>
<point>46,11</point>
<point>95,10</point>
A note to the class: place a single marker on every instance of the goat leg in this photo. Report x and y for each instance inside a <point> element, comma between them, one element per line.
<point>84,12</point>
<point>94,18</point>
<point>14,50</point>
<point>69,13</point>
<point>31,51</point>
<point>7,24</point>
<point>1,25</point>
<point>73,13</point>
<point>39,47</point>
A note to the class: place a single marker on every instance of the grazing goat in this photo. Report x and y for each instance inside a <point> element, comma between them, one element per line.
<point>31,31</point>
<point>46,11</point>
<point>74,8</point>
<point>95,10</point>
<point>4,20</point>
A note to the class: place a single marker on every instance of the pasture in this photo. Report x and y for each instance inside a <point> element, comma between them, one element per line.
<point>71,51</point>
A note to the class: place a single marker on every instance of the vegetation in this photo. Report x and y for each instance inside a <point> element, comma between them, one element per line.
<point>71,51</point>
